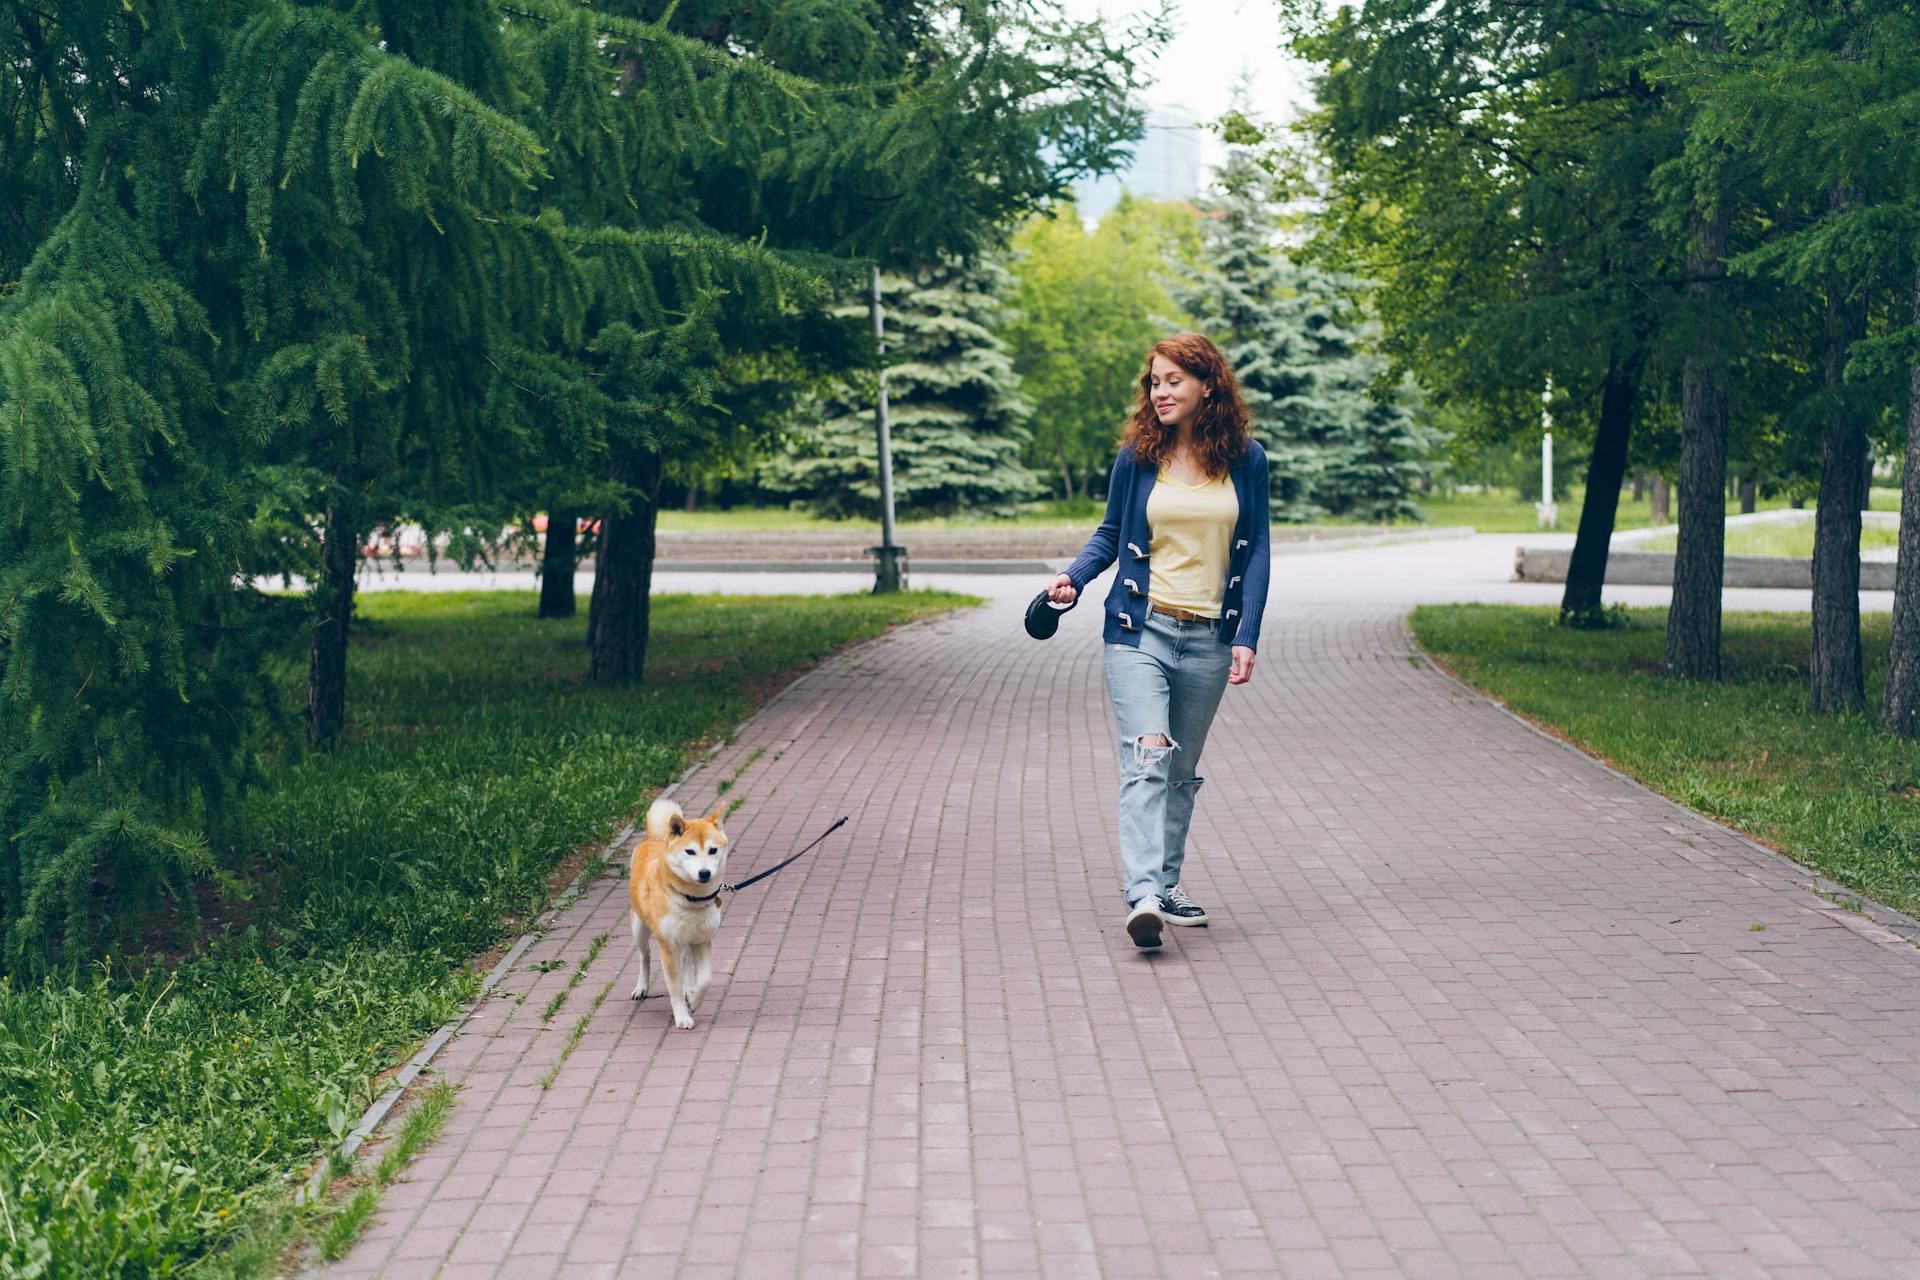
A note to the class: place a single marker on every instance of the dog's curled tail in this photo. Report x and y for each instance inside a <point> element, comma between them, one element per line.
<point>661,815</point>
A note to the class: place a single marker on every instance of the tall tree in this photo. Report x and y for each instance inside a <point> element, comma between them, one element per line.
<point>1900,705</point>
<point>286,269</point>
<point>1337,432</point>
<point>936,130</point>
<point>958,416</point>
<point>1086,307</point>
<point>1822,98</point>
<point>1491,168</point>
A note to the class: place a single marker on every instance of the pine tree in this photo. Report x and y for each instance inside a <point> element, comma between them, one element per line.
<point>1336,442</point>
<point>955,410</point>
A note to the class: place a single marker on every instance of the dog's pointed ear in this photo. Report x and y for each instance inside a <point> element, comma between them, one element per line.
<point>677,827</point>
<point>719,812</point>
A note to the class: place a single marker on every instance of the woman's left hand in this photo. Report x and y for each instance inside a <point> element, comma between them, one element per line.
<point>1242,665</point>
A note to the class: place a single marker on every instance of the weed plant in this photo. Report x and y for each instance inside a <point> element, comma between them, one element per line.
<point>154,1112</point>
<point>1836,793</point>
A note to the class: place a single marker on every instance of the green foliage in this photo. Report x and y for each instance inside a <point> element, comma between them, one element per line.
<point>129,684</point>
<point>955,410</point>
<point>1490,169</point>
<point>279,272</point>
<point>1340,437</point>
<point>1085,309</point>
<point>1832,792</point>
<point>148,1118</point>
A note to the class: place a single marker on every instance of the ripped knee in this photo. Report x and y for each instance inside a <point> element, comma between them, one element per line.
<point>1151,749</point>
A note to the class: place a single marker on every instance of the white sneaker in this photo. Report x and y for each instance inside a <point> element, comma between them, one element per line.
<point>1144,922</point>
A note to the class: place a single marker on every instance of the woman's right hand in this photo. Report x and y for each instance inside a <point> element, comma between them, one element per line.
<point>1062,591</point>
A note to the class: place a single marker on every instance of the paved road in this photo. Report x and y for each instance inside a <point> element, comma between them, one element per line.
<point>1479,568</point>
<point>1471,1006</point>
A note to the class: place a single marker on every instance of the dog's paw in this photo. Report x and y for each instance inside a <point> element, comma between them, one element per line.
<point>684,1021</point>
<point>638,993</point>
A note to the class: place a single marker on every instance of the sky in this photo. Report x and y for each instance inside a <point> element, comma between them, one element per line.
<point>1212,41</point>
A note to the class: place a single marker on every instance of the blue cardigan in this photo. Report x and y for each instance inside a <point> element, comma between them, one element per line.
<point>1125,531</point>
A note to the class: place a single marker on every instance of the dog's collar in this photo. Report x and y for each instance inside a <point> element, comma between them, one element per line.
<point>700,901</point>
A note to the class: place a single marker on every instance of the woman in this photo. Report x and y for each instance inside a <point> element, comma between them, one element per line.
<point>1187,519</point>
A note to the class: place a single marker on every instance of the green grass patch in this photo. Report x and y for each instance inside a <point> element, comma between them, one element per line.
<point>574,1036</point>
<point>1791,540</point>
<point>560,997</point>
<point>1836,793</point>
<point>153,1116</point>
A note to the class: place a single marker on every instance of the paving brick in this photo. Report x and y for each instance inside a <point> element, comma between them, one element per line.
<point>1469,1006</point>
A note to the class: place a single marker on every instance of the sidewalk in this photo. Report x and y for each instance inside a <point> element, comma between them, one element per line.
<point>1470,1006</point>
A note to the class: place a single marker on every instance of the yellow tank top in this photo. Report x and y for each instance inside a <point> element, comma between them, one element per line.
<point>1192,528</point>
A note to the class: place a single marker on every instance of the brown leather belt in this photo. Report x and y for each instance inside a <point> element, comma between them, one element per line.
<point>1182,615</point>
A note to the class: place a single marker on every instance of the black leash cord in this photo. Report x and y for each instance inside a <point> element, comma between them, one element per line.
<point>735,888</point>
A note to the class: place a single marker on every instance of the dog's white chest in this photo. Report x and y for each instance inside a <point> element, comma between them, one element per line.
<point>686,925</point>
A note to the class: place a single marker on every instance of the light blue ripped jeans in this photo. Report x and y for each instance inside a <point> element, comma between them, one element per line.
<point>1170,685</point>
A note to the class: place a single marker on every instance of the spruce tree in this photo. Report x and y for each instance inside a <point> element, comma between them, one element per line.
<point>1337,441</point>
<point>956,412</point>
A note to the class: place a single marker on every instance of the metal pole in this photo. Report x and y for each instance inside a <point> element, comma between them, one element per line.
<point>890,574</point>
<point>1549,512</point>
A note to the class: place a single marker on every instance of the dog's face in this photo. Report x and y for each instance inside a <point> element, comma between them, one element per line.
<point>697,848</point>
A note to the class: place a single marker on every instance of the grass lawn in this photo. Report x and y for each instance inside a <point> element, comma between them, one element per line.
<point>1795,540</point>
<point>155,1118</point>
<point>1836,793</point>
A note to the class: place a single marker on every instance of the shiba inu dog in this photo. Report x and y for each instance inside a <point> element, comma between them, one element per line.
<point>673,887</point>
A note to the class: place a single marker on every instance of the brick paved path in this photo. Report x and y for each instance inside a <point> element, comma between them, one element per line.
<point>1470,1006</point>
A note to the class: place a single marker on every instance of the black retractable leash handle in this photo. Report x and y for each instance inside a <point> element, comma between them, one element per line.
<point>1043,615</point>
<point>754,879</point>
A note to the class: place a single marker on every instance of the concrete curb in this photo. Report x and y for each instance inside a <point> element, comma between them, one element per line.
<point>1627,565</point>
<point>1896,923</point>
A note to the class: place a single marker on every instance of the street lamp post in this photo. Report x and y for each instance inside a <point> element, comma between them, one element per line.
<point>1549,512</point>
<point>890,559</point>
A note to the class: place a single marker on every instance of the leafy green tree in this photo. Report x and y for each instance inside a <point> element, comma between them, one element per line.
<point>957,414</point>
<point>1491,169</point>
<point>1820,101</point>
<point>1086,307</point>
<point>292,278</point>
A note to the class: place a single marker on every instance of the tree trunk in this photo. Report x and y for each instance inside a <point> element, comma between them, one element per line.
<point>1693,620</point>
<point>623,572</point>
<point>1834,671</point>
<point>1900,711</point>
<point>1607,467</point>
<point>693,495</point>
<point>1066,474</point>
<point>332,611</point>
<point>1639,486</point>
<point>557,561</point>
<point>1866,477</point>
<point>1749,495</point>
<point>1660,505</point>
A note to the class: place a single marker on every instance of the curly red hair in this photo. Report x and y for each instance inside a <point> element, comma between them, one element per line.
<point>1220,431</point>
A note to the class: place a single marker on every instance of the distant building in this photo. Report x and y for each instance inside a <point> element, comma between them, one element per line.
<point>1165,165</point>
